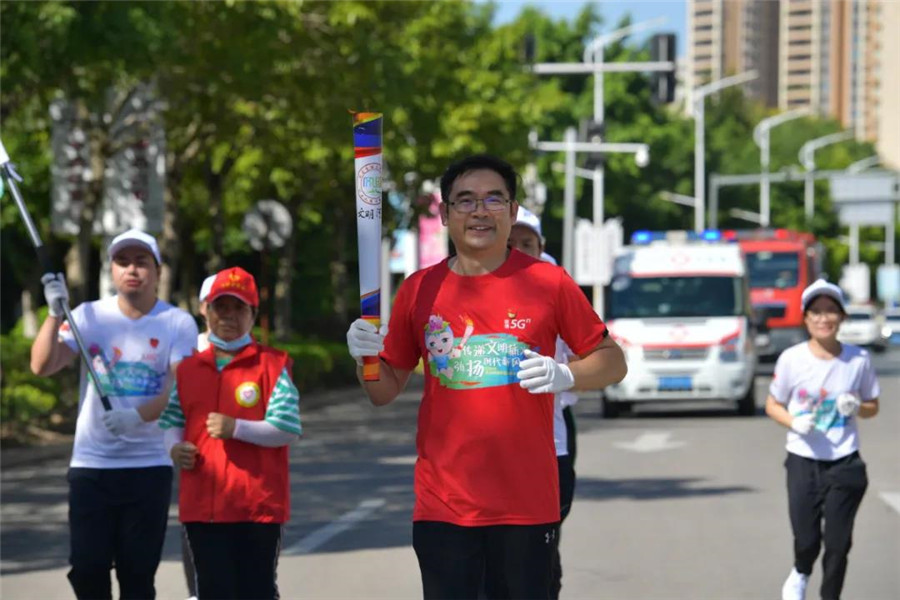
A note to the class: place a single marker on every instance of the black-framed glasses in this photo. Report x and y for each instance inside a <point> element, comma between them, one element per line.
<point>490,204</point>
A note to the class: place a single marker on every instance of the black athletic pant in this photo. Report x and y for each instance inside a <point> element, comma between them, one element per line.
<point>830,491</point>
<point>235,560</point>
<point>511,561</point>
<point>117,517</point>
<point>187,561</point>
<point>566,464</point>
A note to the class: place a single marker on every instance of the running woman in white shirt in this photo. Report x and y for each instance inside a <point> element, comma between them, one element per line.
<point>820,389</point>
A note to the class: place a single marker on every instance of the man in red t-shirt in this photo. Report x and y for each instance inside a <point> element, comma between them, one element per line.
<point>485,323</point>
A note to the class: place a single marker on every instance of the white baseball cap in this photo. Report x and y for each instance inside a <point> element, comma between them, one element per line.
<point>820,287</point>
<point>207,285</point>
<point>530,220</point>
<point>134,237</point>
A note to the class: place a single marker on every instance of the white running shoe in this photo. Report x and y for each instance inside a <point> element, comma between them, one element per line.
<point>794,587</point>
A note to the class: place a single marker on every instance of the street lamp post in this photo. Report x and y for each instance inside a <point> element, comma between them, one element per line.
<point>700,95</point>
<point>594,64</point>
<point>594,53</point>
<point>808,160</point>
<point>570,146</point>
<point>863,164</point>
<point>761,137</point>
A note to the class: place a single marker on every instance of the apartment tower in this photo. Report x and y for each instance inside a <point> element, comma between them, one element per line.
<point>838,57</point>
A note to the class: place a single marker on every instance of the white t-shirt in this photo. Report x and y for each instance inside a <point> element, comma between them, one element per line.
<point>132,359</point>
<point>808,384</point>
<point>560,401</point>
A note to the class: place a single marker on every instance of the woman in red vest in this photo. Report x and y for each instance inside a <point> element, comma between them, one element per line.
<point>230,418</point>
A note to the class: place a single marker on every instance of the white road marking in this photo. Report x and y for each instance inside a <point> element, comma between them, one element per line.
<point>399,460</point>
<point>346,521</point>
<point>892,499</point>
<point>650,441</point>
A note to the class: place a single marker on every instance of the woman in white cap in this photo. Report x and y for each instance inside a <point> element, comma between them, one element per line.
<point>819,390</point>
<point>525,236</point>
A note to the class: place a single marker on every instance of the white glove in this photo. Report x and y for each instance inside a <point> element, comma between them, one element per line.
<point>541,374</point>
<point>363,339</point>
<point>802,424</point>
<point>848,403</point>
<point>55,292</point>
<point>122,420</point>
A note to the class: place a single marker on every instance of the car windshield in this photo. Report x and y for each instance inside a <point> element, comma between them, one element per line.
<point>639,297</point>
<point>772,269</point>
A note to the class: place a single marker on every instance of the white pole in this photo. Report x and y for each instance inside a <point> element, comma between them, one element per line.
<point>599,174</point>
<point>699,163</point>
<point>598,234</point>
<point>764,184</point>
<point>807,157</point>
<point>889,237</point>
<point>808,207</point>
<point>762,139</point>
<point>854,244</point>
<point>385,280</point>
<point>699,143</point>
<point>569,202</point>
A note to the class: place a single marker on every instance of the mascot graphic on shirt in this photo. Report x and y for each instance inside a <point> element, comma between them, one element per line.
<point>124,378</point>
<point>471,361</point>
<point>822,407</point>
<point>441,344</point>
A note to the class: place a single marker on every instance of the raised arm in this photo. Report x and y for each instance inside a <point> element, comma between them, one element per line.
<point>48,353</point>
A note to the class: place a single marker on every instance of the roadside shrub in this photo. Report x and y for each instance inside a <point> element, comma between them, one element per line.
<point>319,364</point>
<point>25,398</point>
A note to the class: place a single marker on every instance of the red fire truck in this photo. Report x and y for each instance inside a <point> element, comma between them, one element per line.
<point>780,263</point>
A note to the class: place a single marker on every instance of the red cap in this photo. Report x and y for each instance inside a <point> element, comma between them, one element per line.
<point>234,282</point>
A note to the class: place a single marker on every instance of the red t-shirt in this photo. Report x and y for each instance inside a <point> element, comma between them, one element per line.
<point>485,445</point>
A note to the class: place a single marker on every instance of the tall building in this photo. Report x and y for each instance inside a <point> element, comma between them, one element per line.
<point>889,86</point>
<point>731,36</point>
<point>801,63</point>
<point>838,57</point>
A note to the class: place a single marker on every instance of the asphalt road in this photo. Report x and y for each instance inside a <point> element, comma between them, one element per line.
<point>670,503</point>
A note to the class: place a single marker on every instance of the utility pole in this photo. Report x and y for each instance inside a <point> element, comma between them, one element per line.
<point>571,147</point>
<point>593,63</point>
<point>700,95</point>
<point>807,158</point>
<point>761,137</point>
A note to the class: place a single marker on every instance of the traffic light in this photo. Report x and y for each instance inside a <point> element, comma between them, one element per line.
<point>529,48</point>
<point>592,131</point>
<point>662,83</point>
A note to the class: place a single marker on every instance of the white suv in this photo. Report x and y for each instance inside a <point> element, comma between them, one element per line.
<point>862,327</point>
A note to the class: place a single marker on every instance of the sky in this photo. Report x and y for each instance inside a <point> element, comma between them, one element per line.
<point>675,12</point>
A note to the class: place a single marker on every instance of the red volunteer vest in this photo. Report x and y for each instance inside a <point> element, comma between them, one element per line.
<point>232,480</point>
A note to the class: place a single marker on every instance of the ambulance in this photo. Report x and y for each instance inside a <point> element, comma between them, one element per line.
<point>679,306</point>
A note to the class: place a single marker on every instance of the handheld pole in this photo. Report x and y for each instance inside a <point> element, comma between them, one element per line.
<point>11,177</point>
